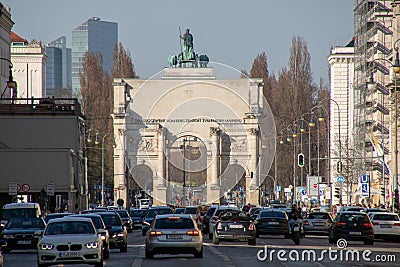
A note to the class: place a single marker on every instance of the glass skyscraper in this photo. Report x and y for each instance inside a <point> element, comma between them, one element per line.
<point>92,35</point>
<point>58,68</point>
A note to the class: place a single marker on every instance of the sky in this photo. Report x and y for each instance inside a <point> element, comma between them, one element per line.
<point>230,32</point>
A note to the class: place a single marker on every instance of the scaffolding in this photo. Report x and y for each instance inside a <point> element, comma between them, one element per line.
<point>373,40</point>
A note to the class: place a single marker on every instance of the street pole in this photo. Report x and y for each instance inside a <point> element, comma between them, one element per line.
<point>102,169</point>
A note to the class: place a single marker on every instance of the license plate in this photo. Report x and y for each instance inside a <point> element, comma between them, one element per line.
<point>174,236</point>
<point>386,226</point>
<point>273,223</point>
<point>296,229</point>
<point>69,254</point>
<point>236,226</point>
<point>319,224</point>
<point>355,233</point>
<point>24,242</point>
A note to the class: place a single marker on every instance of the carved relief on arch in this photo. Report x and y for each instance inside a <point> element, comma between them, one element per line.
<point>214,131</point>
<point>147,144</point>
<point>239,144</point>
<point>253,131</point>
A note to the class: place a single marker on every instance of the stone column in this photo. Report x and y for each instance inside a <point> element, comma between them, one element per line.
<point>161,184</point>
<point>252,192</point>
<point>213,185</point>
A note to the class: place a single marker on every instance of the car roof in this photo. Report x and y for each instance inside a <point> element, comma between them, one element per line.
<point>272,210</point>
<point>87,215</point>
<point>383,213</point>
<point>70,219</point>
<point>159,207</point>
<point>353,212</point>
<point>173,215</point>
<point>60,213</point>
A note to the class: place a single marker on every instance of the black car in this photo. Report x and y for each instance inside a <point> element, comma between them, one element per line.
<point>116,229</point>
<point>272,222</point>
<point>94,211</point>
<point>236,226</point>
<point>19,233</point>
<point>352,226</point>
<point>56,215</point>
<point>137,216</point>
<point>126,219</point>
<point>179,211</point>
<point>151,214</point>
<point>101,229</point>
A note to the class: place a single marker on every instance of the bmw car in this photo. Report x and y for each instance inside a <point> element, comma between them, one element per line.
<point>70,240</point>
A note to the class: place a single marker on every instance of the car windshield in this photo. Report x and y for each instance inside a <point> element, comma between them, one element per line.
<point>174,223</point>
<point>122,213</point>
<point>386,217</point>
<point>152,213</point>
<point>111,220</point>
<point>138,213</point>
<point>354,218</point>
<point>23,223</point>
<point>210,212</point>
<point>69,227</point>
<point>235,216</point>
<point>54,216</point>
<point>98,224</point>
<point>13,213</point>
<point>218,212</point>
<point>318,216</point>
<point>270,214</point>
<point>191,210</point>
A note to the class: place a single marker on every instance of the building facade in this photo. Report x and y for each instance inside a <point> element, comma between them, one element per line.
<point>5,41</point>
<point>341,62</point>
<point>93,35</point>
<point>58,68</point>
<point>29,69</point>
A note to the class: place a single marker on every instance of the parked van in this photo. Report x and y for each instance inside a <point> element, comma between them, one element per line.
<point>13,210</point>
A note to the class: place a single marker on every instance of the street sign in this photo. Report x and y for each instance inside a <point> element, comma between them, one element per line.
<point>312,185</point>
<point>340,179</point>
<point>279,188</point>
<point>364,179</point>
<point>25,188</point>
<point>303,192</point>
<point>12,188</point>
<point>50,189</point>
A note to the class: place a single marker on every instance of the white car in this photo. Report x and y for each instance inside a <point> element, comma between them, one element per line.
<point>386,225</point>
<point>70,240</point>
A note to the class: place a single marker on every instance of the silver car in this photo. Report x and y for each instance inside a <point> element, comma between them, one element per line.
<point>174,234</point>
<point>317,223</point>
<point>70,240</point>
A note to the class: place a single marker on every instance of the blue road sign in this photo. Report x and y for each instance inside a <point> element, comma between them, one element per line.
<point>279,188</point>
<point>303,191</point>
<point>340,179</point>
<point>364,189</point>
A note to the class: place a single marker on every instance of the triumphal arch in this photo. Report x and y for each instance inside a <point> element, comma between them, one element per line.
<point>187,137</point>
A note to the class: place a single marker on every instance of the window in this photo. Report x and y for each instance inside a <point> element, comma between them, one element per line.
<point>386,217</point>
<point>180,223</point>
<point>269,214</point>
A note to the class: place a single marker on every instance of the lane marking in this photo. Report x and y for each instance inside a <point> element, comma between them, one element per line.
<point>139,260</point>
<point>224,257</point>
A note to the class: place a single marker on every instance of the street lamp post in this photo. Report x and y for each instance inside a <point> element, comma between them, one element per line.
<point>289,139</point>
<point>102,167</point>
<point>10,83</point>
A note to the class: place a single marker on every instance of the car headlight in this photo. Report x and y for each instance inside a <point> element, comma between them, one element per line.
<point>103,237</point>
<point>92,245</point>
<point>45,246</point>
<point>8,236</point>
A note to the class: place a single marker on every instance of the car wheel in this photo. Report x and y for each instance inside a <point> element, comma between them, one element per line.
<point>369,242</point>
<point>148,254</point>
<point>106,254</point>
<point>199,254</point>
<point>251,242</point>
<point>287,236</point>
<point>124,248</point>
<point>210,236</point>
<point>215,239</point>
<point>99,264</point>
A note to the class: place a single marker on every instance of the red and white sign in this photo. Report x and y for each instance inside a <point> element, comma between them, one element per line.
<point>116,189</point>
<point>315,185</point>
<point>25,188</point>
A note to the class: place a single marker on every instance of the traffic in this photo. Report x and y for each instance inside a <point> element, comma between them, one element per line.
<point>99,236</point>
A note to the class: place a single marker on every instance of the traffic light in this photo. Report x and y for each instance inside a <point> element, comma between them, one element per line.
<point>383,191</point>
<point>300,160</point>
<point>337,192</point>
